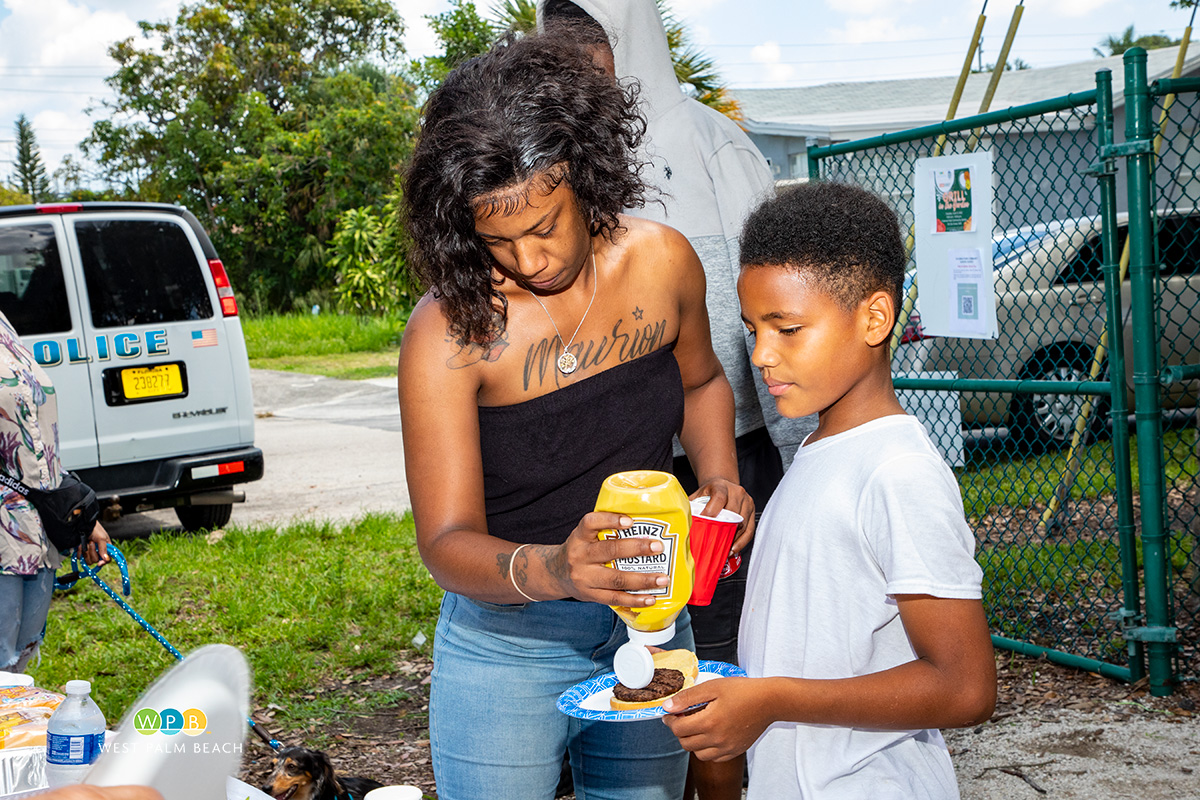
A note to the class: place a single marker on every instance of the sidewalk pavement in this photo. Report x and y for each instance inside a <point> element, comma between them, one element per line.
<point>331,450</point>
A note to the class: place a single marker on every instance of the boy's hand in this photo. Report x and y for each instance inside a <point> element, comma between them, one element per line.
<point>736,715</point>
<point>721,494</point>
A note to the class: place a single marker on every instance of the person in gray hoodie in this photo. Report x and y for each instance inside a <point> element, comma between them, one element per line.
<point>709,177</point>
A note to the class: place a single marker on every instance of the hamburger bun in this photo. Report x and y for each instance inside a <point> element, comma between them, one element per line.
<point>684,661</point>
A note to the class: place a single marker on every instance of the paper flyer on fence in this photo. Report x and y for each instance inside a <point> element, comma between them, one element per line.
<point>968,271</point>
<point>952,233</point>
<point>953,211</point>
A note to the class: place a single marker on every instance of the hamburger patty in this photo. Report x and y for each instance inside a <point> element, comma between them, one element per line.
<point>665,682</point>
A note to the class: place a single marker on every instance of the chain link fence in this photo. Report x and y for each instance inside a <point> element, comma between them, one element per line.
<point>1176,201</point>
<point>1039,435</point>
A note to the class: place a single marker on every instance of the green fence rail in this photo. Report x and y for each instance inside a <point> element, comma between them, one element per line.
<point>1172,280</point>
<point>1072,570</point>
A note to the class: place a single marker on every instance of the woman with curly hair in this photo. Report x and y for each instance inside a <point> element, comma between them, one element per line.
<point>559,342</point>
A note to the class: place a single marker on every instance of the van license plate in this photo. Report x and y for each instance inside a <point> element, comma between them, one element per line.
<point>162,381</point>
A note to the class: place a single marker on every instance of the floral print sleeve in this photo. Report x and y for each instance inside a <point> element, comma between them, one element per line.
<point>28,452</point>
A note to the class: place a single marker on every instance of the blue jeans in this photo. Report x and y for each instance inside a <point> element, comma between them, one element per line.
<point>25,600</point>
<point>495,730</point>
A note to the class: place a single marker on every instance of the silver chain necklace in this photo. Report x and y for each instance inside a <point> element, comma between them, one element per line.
<point>567,363</point>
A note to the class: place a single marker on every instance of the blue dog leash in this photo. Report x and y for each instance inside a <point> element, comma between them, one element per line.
<point>81,569</point>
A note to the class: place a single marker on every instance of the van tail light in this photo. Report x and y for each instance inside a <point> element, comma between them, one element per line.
<point>913,332</point>
<point>224,290</point>
<point>59,208</point>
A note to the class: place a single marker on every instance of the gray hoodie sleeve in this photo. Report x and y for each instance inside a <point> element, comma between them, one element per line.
<point>735,200</point>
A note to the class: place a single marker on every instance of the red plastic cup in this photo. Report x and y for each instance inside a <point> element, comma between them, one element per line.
<point>711,538</point>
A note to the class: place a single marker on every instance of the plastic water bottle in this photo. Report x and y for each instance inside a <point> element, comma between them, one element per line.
<point>74,736</point>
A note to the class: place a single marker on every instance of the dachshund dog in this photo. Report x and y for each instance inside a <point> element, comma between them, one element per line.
<point>298,773</point>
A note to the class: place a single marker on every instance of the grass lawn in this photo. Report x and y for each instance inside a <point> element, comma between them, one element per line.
<point>1059,591</point>
<point>303,602</point>
<point>988,483</point>
<point>334,345</point>
<point>346,366</point>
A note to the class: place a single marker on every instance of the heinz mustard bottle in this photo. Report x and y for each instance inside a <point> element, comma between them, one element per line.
<point>660,510</point>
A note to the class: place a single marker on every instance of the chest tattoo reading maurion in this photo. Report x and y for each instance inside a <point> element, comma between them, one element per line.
<point>625,343</point>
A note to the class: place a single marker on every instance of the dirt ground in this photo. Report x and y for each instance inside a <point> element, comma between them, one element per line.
<point>1057,732</point>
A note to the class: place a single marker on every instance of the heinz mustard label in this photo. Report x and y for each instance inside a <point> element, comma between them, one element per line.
<point>660,510</point>
<point>655,563</point>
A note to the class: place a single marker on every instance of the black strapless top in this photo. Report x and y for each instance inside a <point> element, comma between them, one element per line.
<point>544,459</point>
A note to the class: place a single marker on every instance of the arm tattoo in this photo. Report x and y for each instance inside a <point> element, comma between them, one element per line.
<point>470,353</point>
<point>554,559</point>
<point>520,567</point>
<point>502,560</point>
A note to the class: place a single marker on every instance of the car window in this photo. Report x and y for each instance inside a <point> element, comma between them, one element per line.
<point>1088,264</point>
<point>1179,246</point>
<point>1010,244</point>
<point>32,293</point>
<point>140,272</point>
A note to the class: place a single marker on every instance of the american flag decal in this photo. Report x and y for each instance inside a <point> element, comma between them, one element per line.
<point>204,338</point>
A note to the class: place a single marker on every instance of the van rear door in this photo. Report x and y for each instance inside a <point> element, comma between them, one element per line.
<point>161,367</point>
<point>41,300</point>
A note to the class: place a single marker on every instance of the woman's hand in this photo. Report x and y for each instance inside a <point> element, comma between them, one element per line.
<point>580,564</point>
<point>726,494</point>
<point>95,550</point>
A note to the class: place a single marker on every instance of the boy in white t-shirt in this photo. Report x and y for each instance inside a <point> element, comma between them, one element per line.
<point>862,630</point>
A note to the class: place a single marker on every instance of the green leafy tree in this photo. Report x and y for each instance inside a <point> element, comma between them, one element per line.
<point>1115,46</point>
<point>267,118</point>
<point>286,201</point>
<point>12,197</point>
<point>368,254</point>
<point>463,34</point>
<point>74,181</point>
<point>30,173</point>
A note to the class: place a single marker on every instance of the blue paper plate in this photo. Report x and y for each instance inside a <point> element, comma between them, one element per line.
<point>589,699</point>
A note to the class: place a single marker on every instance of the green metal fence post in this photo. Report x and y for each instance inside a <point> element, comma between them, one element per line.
<point>1158,634</point>
<point>1119,405</point>
<point>814,166</point>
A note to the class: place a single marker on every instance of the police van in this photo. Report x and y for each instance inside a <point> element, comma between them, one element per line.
<point>130,312</point>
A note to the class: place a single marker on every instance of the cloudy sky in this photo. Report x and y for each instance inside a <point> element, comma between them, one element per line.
<point>53,61</point>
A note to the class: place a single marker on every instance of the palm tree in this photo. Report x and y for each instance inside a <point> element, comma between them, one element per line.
<point>515,15</point>
<point>694,71</point>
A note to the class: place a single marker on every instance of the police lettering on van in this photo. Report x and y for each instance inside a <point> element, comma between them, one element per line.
<point>49,352</point>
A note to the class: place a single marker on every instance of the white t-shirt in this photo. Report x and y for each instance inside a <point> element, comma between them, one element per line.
<point>859,517</point>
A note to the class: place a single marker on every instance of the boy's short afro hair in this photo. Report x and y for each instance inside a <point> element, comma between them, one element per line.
<point>843,236</point>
